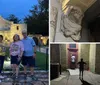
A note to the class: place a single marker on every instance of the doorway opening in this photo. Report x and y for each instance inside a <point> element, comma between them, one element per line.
<point>72,56</point>
<point>94,28</point>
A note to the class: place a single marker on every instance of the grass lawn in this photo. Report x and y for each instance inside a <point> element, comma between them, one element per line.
<point>41,60</point>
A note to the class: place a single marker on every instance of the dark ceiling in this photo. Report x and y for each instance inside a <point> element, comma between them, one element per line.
<point>93,12</point>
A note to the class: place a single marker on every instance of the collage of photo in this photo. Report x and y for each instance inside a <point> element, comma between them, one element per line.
<point>24,42</point>
<point>74,42</point>
<point>49,42</point>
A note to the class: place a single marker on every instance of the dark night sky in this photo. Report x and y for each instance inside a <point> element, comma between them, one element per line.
<point>19,8</point>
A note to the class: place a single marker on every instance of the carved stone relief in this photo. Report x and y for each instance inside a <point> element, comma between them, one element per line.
<point>71,23</point>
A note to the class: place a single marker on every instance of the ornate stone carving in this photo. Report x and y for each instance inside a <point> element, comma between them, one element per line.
<point>53,21</point>
<point>71,22</point>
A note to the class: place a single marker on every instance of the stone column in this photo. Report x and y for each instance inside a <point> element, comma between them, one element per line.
<point>55,61</point>
<point>63,56</point>
<point>54,53</point>
<point>92,55</point>
<point>97,62</point>
<point>84,53</point>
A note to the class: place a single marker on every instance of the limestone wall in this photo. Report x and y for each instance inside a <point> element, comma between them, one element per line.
<point>17,29</point>
<point>8,29</point>
<point>97,62</point>
<point>55,53</point>
<point>79,51</point>
<point>92,56</point>
<point>63,56</point>
<point>84,53</point>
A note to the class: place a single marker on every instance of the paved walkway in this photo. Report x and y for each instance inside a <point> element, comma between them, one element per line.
<point>41,78</point>
<point>73,72</point>
<point>88,79</point>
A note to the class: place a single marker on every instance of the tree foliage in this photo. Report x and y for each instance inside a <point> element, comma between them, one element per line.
<point>37,22</point>
<point>13,18</point>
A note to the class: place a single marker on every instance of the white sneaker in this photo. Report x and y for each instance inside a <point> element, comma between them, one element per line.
<point>0,81</point>
<point>1,77</point>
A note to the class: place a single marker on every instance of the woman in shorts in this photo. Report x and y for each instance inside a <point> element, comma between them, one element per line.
<point>16,52</point>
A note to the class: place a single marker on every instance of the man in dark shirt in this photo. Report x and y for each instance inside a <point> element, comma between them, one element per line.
<point>81,68</point>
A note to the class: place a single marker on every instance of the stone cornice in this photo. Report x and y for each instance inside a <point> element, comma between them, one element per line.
<point>83,4</point>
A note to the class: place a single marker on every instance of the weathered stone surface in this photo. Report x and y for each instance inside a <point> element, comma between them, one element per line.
<point>92,57</point>
<point>53,22</point>
<point>84,53</point>
<point>55,53</point>
<point>71,22</point>
<point>97,64</point>
<point>63,56</point>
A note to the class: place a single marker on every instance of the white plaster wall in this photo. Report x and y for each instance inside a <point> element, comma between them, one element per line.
<point>92,56</point>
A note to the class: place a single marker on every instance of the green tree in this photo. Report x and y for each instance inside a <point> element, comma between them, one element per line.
<point>37,22</point>
<point>13,18</point>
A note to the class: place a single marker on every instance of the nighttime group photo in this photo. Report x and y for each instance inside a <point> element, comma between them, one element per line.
<point>24,42</point>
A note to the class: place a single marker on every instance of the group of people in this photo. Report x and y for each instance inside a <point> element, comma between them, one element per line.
<point>23,51</point>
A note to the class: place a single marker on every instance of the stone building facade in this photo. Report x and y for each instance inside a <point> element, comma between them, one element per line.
<point>8,29</point>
